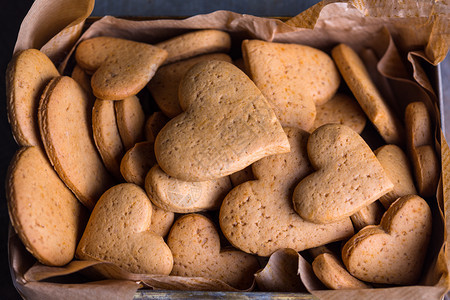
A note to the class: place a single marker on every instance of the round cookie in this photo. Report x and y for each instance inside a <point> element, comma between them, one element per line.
<point>83,79</point>
<point>65,122</point>
<point>130,121</point>
<point>26,77</point>
<point>137,162</point>
<point>195,43</point>
<point>45,214</point>
<point>195,244</point>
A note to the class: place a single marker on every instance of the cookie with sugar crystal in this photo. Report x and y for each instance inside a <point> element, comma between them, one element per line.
<point>348,176</point>
<point>65,123</point>
<point>106,135</point>
<point>195,245</point>
<point>45,214</point>
<point>227,124</point>
<point>394,251</point>
<point>119,231</point>
<point>172,194</point>
<point>369,98</point>
<point>130,121</point>
<point>26,77</point>
<point>261,210</point>
<point>195,43</point>
<point>164,85</point>
<point>294,79</point>
<point>420,145</point>
<point>137,161</point>
<point>341,109</point>
<point>120,67</point>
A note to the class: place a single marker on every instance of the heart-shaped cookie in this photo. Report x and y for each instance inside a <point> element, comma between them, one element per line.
<point>118,232</point>
<point>227,124</point>
<point>348,176</point>
<point>195,245</point>
<point>121,68</point>
<point>261,210</point>
<point>394,251</point>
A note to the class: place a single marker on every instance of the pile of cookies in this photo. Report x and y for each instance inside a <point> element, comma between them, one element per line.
<point>262,152</point>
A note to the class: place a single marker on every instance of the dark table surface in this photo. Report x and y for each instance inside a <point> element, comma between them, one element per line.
<point>11,15</point>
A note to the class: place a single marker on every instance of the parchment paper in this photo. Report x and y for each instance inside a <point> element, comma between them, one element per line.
<point>403,37</point>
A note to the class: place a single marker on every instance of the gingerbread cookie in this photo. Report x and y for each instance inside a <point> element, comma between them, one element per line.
<point>26,76</point>
<point>394,251</point>
<point>180,196</point>
<point>119,231</point>
<point>154,124</point>
<point>369,215</point>
<point>293,78</point>
<point>164,85</point>
<point>226,125</point>
<point>348,176</point>
<point>43,211</point>
<point>375,107</point>
<point>242,176</point>
<point>83,79</point>
<point>65,122</point>
<point>137,162</point>
<point>130,121</point>
<point>161,221</point>
<point>261,210</point>
<point>121,68</point>
<point>195,43</point>
<point>195,245</point>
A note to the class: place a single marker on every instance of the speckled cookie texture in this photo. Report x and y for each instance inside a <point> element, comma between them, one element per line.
<point>195,43</point>
<point>26,77</point>
<point>293,78</point>
<point>65,122</point>
<point>45,214</point>
<point>161,221</point>
<point>83,78</point>
<point>172,194</point>
<point>369,98</point>
<point>164,85</point>
<point>257,216</point>
<point>118,231</point>
<point>106,135</point>
<point>394,251</point>
<point>195,245</point>
<point>369,215</point>
<point>420,145</point>
<point>130,121</point>
<point>398,168</point>
<point>120,68</point>
<point>154,124</point>
<point>341,109</point>
<point>227,124</point>
<point>348,176</point>
<point>333,274</point>
<point>137,162</point>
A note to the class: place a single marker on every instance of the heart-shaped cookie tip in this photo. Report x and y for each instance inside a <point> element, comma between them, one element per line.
<point>227,125</point>
<point>348,176</point>
<point>394,251</point>
<point>118,232</point>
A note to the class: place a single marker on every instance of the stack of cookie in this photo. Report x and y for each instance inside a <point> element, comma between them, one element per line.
<point>244,156</point>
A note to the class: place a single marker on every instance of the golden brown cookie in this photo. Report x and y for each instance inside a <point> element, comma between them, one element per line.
<point>369,215</point>
<point>226,125</point>
<point>261,210</point>
<point>242,176</point>
<point>164,85</point>
<point>195,43</point>
<point>43,211</point>
<point>180,196</point>
<point>375,107</point>
<point>137,162</point>
<point>341,109</point>
<point>119,231</point>
<point>348,176</point>
<point>394,251</point>
<point>120,68</point>
<point>106,135</point>
<point>293,78</point>
<point>154,124</point>
<point>195,245</point>
<point>397,166</point>
<point>333,274</point>
<point>65,122</point>
<point>161,221</point>
<point>83,79</point>
<point>26,76</point>
<point>130,121</point>
<point>420,144</point>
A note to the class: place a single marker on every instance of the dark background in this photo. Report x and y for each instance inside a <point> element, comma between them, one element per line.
<point>11,16</point>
